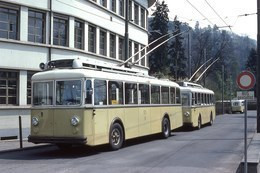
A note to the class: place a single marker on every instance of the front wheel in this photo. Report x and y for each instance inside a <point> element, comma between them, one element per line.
<point>211,120</point>
<point>116,136</point>
<point>199,123</point>
<point>166,130</point>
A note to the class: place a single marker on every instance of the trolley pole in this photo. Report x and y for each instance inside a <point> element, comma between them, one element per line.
<point>258,67</point>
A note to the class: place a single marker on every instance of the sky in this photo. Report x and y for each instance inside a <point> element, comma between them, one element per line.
<point>229,10</point>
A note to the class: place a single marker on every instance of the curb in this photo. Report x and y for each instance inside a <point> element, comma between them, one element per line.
<point>253,155</point>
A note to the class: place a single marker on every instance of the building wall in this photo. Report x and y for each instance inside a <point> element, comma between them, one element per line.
<point>22,56</point>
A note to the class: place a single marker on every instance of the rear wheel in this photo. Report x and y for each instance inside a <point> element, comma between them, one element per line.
<point>116,136</point>
<point>166,129</point>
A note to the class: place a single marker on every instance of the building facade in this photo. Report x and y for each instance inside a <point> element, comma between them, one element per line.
<point>35,31</point>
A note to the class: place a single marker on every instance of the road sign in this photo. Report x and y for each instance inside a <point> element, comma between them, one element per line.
<point>245,95</point>
<point>246,80</point>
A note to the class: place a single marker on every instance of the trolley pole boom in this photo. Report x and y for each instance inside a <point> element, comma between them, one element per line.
<point>126,61</point>
<point>199,69</point>
<point>158,46</point>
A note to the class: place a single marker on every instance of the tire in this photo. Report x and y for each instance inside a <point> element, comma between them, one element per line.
<point>116,136</point>
<point>211,120</point>
<point>166,128</point>
<point>199,123</point>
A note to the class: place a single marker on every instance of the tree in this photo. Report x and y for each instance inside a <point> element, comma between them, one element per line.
<point>177,58</point>
<point>159,26</point>
<point>251,61</point>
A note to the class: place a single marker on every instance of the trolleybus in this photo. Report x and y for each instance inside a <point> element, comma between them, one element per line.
<point>197,104</point>
<point>78,103</point>
<point>237,106</point>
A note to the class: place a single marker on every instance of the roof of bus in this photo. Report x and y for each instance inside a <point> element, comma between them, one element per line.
<point>200,90</point>
<point>65,74</point>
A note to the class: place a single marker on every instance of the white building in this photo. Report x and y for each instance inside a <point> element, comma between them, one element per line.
<point>35,31</point>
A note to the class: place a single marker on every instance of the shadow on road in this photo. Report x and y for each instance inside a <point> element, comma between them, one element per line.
<point>53,152</point>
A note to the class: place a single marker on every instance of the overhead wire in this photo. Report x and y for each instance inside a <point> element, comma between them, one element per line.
<point>218,15</point>
<point>200,13</point>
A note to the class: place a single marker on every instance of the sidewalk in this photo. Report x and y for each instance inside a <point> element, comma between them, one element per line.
<point>253,156</point>
<point>9,128</point>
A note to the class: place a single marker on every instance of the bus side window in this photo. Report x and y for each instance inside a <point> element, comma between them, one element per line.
<point>165,95</point>
<point>89,92</point>
<point>193,98</point>
<point>172,95</point>
<point>178,96</point>
<point>199,98</point>
<point>196,98</point>
<point>155,94</point>
<point>100,92</point>
<point>130,93</point>
<point>115,92</point>
<point>144,94</point>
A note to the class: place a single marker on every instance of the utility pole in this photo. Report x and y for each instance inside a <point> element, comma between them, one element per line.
<point>223,70</point>
<point>126,30</point>
<point>176,66</point>
<point>205,57</point>
<point>258,67</point>
<point>189,54</point>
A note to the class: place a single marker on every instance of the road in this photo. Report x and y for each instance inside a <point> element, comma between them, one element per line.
<point>215,149</point>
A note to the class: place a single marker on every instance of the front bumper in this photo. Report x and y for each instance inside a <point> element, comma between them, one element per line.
<point>56,140</point>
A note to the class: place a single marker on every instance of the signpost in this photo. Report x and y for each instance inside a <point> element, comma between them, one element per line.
<point>245,81</point>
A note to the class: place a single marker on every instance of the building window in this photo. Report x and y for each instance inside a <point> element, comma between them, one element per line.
<point>103,3</point>
<point>36,26</point>
<point>130,10</point>
<point>112,46</point>
<point>60,32</point>
<point>113,5</point>
<point>8,23</point>
<point>121,8</point>
<point>103,43</point>
<point>142,54</point>
<point>92,39</point>
<point>130,49</point>
<point>121,49</point>
<point>79,35</point>
<point>136,47</point>
<point>136,18</point>
<point>29,87</point>
<point>8,88</point>
<point>142,17</point>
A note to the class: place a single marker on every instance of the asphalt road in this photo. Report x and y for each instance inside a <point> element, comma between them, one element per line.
<point>214,149</point>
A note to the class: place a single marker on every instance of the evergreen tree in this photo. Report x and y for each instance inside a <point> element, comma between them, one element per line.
<point>251,61</point>
<point>159,26</point>
<point>177,58</point>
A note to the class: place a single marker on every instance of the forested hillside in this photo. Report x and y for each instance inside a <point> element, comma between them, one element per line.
<point>171,59</point>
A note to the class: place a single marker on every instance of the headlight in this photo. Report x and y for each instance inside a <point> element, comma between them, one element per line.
<point>187,114</point>
<point>35,121</point>
<point>74,121</point>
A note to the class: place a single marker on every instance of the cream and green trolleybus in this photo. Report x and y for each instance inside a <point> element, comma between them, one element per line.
<point>74,102</point>
<point>198,105</point>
